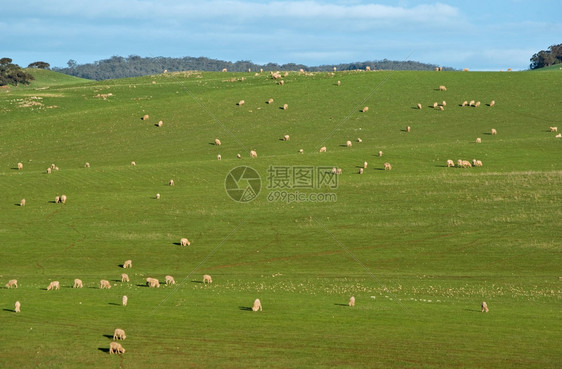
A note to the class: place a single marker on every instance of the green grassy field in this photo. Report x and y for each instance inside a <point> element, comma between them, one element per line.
<point>420,246</point>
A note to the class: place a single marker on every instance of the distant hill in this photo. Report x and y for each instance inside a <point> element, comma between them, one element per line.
<point>136,66</point>
<point>44,78</point>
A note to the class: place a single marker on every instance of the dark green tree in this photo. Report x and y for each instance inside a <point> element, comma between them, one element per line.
<point>39,65</point>
<point>546,58</point>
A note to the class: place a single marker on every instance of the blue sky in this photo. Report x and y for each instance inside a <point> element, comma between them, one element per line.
<point>474,34</point>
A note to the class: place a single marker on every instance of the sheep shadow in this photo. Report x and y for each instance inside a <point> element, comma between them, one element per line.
<point>379,169</point>
<point>18,204</point>
<point>212,143</point>
<point>13,311</point>
<point>416,108</point>
<point>120,265</point>
<point>441,166</point>
<point>197,282</point>
<point>343,145</point>
<point>104,349</point>
<point>473,310</point>
<point>487,133</point>
<point>110,336</point>
<point>142,285</point>
<point>114,304</point>
<point>340,304</point>
<point>245,308</point>
<point>404,130</point>
<point>177,243</point>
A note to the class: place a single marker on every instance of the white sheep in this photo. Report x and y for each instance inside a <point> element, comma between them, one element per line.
<point>185,242</point>
<point>450,163</point>
<point>285,106</point>
<point>380,153</point>
<point>441,108</point>
<point>63,199</point>
<point>153,282</point>
<point>207,279</point>
<point>465,103</point>
<point>558,135</point>
<point>365,109</point>
<point>128,264</point>
<point>419,106</point>
<point>104,284</point>
<point>477,104</point>
<point>323,149</point>
<point>22,202</point>
<point>78,283</point>
<point>170,280</point>
<point>435,105</point>
<point>286,138</point>
<point>57,199</point>
<point>442,88</point>
<point>116,348</point>
<point>351,301</point>
<point>553,129</point>
<point>408,129</point>
<point>239,156</point>
<point>124,277</point>
<point>171,182</point>
<point>359,139</point>
<point>145,117</point>
<point>119,334</point>
<point>133,163</point>
<point>360,170</point>
<point>54,285</point>
<point>484,307</point>
<point>160,123</point>
<point>20,166</point>
<point>12,283</point>
<point>471,103</point>
<point>157,196</point>
<point>478,140</point>
<point>253,154</point>
<point>367,68</point>
<point>464,164</point>
<point>217,142</point>
<point>240,103</point>
<point>476,163</point>
<point>339,171</point>
<point>301,151</point>
<point>365,165</point>
<point>49,171</point>
<point>339,83</point>
<point>492,103</point>
<point>219,157</point>
<point>334,170</point>
<point>270,101</point>
<point>87,165</point>
<point>124,300</point>
<point>387,166</point>
<point>17,307</point>
<point>494,132</point>
<point>444,103</point>
<point>257,305</point>
<point>348,144</point>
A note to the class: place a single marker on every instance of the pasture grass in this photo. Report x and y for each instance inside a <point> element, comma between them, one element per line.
<point>420,246</point>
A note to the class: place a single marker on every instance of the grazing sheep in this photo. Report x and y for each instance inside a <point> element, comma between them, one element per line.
<point>257,305</point>
<point>124,300</point>
<point>334,170</point>
<point>207,279</point>
<point>444,103</point>
<point>119,334</point>
<point>435,105</point>
<point>301,151</point>
<point>477,104</point>
<point>48,170</point>
<point>360,170</point>
<point>240,103</point>
<point>465,103</point>
<point>20,166</point>
<point>359,140</point>
<point>157,196</point>
<point>286,138</point>
<point>484,307</point>
<point>553,129</point>
<point>104,284</point>
<point>471,103</point>
<point>335,69</point>
<point>22,202</point>
<point>450,163</point>
<point>464,164</point>
<point>116,348</point>
<point>128,264</point>
<point>270,101</point>
<point>558,135</point>
<point>63,199</point>
<point>253,154</point>
<point>124,277</point>
<point>494,132</point>
<point>351,301</point>
<point>133,163</point>
<point>57,199</point>
<point>145,117</point>
<point>478,140</point>
<point>367,68</point>
<point>281,82</point>
<point>348,144</point>
<point>185,242</point>
<point>285,106</point>
<point>338,171</point>
<point>465,70</point>
<point>87,165</point>
<point>17,307</point>
<point>387,166</point>
<point>239,156</point>
<point>339,83</point>
<point>442,88</point>
<point>217,142</point>
<point>171,183</point>
<point>408,129</point>
<point>153,282</point>
<point>53,166</point>
<point>380,153</point>
<point>441,108</point>
<point>419,106</point>
<point>12,283</point>
<point>78,283</point>
<point>54,285</point>
<point>492,103</point>
<point>224,70</point>
<point>476,163</point>
<point>365,165</point>
<point>365,109</point>
<point>219,157</point>
<point>160,123</point>
<point>323,149</point>
<point>170,280</point>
